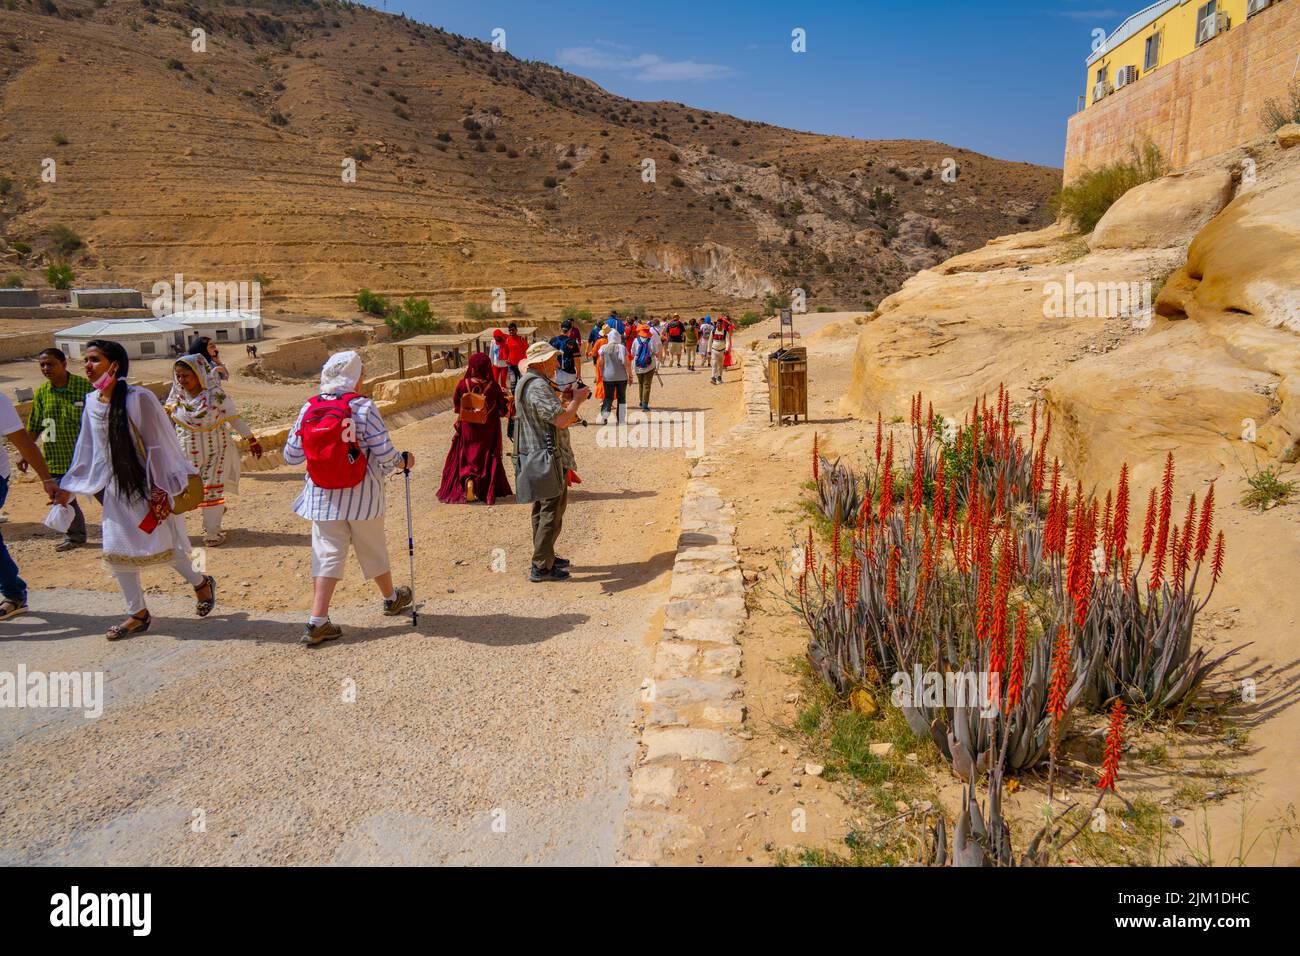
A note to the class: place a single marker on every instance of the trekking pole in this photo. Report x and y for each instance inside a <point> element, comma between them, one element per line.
<point>410,539</point>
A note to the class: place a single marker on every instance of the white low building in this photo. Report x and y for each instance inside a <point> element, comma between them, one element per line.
<point>221,325</point>
<point>142,338</point>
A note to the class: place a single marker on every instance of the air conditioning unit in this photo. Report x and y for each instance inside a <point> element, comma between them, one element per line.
<point>1100,91</point>
<point>1255,6</point>
<point>1211,27</point>
<point>1125,76</point>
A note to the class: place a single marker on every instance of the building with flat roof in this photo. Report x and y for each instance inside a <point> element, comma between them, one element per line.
<point>1157,36</point>
<point>221,325</point>
<point>107,299</point>
<point>142,338</point>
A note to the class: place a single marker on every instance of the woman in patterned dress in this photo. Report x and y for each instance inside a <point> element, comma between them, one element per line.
<point>204,416</point>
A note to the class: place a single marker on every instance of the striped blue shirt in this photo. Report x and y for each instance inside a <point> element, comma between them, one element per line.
<point>361,501</point>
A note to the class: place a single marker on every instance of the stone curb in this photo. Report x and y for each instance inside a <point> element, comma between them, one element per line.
<point>693,710</point>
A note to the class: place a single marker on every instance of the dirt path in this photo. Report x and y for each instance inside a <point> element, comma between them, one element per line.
<point>501,732</point>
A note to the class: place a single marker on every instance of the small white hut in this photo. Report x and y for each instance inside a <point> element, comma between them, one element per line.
<point>221,325</point>
<point>142,338</point>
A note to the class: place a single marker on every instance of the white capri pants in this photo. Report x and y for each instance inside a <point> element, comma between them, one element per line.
<point>329,547</point>
<point>133,588</point>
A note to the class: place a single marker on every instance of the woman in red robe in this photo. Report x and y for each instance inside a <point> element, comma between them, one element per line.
<point>474,470</point>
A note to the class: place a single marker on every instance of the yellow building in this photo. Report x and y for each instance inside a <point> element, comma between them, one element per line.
<point>1157,36</point>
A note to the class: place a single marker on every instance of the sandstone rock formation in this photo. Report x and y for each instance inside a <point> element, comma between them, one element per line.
<point>1165,212</point>
<point>1219,358</point>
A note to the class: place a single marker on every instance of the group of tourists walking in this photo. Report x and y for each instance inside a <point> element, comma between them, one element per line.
<point>148,462</point>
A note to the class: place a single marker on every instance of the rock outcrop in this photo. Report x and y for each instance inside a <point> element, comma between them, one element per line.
<point>1163,213</point>
<point>1218,359</point>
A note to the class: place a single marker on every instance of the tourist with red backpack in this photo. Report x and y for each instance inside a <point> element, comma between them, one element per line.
<point>675,331</point>
<point>342,438</point>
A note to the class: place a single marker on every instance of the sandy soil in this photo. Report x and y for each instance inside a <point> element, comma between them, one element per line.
<point>513,704</point>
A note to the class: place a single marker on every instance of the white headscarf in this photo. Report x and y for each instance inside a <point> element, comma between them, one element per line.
<point>614,337</point>
<point>341,373</point>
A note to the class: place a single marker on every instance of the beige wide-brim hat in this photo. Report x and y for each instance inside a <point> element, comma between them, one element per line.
<point>537,352</point>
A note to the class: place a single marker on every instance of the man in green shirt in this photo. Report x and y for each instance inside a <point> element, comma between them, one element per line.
<point>55,423</point>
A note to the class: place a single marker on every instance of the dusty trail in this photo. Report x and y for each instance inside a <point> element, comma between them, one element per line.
<point>500,732</point>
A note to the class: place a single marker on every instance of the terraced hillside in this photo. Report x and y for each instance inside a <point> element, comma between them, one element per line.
<point>473,170</point>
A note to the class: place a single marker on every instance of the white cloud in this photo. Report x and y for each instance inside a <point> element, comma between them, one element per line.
<point>647,67</point>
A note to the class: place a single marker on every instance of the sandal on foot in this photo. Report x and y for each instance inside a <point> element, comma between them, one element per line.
<point>11,608</point>
<point>204,607</point>
<point>119,631</point>
<point>215,540</point>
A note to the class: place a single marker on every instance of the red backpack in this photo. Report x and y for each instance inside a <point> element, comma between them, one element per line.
<point>334,459</point>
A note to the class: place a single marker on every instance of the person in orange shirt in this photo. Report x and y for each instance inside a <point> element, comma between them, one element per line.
<point>516,349</point>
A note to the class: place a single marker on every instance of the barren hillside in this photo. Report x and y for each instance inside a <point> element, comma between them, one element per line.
<point>474,170</point>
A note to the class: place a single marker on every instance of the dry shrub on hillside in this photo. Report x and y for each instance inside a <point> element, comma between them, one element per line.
<point>1086,200</point>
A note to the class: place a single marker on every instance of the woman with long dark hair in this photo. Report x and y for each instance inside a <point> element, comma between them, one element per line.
<point>204,347</point>
<point>127,450</point>
<point>474,469</point>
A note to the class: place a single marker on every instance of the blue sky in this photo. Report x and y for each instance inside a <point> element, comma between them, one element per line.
<point>1000,78</point>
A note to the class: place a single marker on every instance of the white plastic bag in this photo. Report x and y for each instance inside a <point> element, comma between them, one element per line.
<point>60,518</point>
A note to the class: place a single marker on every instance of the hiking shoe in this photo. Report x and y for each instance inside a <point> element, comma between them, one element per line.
<point>562,563</point>
<point>400,602</point>
<point>311,636</point>
<point>68,545</point>
<point>556,573</point>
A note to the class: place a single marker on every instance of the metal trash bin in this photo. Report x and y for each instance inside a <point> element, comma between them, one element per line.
<point>787,385</point>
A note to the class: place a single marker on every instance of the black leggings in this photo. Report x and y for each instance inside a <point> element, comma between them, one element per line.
<point>613,390</point>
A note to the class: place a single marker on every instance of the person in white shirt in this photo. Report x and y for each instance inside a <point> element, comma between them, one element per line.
<point>348,516</point>
<point>13,589</point>
<point>127,450</point>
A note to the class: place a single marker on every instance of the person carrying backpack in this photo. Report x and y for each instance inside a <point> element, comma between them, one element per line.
<point>691,340</point>
<point>345,444</point>
<point>676,334</point>
<point>645,363</point>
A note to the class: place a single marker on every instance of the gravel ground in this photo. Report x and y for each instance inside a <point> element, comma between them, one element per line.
<point>500,731</point>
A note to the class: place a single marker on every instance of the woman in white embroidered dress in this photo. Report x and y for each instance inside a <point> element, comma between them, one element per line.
<point>127,451</point>
<point>205,415</point>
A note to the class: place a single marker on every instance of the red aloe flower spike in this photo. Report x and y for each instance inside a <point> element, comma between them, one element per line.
<point>1107,530</point>
<point>1006,571</point>
<point>1033,420</point>
<point>1149,528</point>
<point>1162,530</point>
<point>929,421</point>
<point>1119,533</point>
<point>879,427</point>
<point>1016,682</point>
<point>1114,746</point>
<point>1203,533</point>
<point>808,562</point>
<point>1061,665</point>
<point>816,467</point>
<point>1216,565</point>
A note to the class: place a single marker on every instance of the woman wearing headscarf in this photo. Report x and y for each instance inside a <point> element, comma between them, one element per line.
<point>474,469</point>
<point>207,349</point>
<point>127,450</point>
<point>500,362</point>
<point>205,416</point>
<point>343,440</point>
<point>612,361</point>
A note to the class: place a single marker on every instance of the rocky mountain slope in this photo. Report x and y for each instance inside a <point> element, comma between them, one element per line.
<point>474,170</point>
